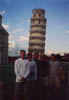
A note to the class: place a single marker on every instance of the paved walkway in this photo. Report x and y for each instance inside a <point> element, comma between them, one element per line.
<point>45,94</point>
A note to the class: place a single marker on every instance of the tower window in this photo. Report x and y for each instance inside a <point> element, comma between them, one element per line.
<point>33,22</point>
<point>39,21</point>
<point>36,11</point>
<point>34,15</point>
<point>39,14</point>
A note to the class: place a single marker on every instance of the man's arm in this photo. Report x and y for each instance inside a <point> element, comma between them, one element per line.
<point>28,71</point>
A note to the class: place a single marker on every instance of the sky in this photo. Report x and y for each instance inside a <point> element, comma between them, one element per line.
<point>16,20</point>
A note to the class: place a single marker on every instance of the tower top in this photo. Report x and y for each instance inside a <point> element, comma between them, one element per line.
<point>38,10</point>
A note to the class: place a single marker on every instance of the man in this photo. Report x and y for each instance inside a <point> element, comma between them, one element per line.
<point>44,69</point>
<point>20,70</point>
<point>31,77</point>
<point>35,58</point>
<point>53,72</point>
<point>54,82</point>
<point>29,56</point>
<point>25,70</point>
<point>42,77</point>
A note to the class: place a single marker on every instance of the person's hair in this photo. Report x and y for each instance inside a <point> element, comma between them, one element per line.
<point>46,57</point>
<point>52,54</point>
<point>22,51</point>
<point>58,57</point>
<point>29,54</point>
<point>36,53</point>
<point>41,54</point>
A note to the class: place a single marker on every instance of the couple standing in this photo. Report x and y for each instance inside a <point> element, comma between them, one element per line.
<point>26,73</point>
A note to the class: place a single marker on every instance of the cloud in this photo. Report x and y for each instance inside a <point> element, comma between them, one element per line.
<point>18,30</point>
<point>12,44</point>
<point>19,35</point>
<point>18,40</point>
<point>2,12</point>
<point>23,38</point>
<point>48,52</point>
<point>6,26</point>
<point>15,48</point>
<point>28,20</point>
<point>15,33</point>
<point>67,31</point>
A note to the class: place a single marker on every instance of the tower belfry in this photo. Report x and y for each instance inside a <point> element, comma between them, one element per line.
<point>37,31</point>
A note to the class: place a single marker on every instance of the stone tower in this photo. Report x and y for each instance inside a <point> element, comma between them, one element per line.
<point>3,44</point>
<point>37,31</point>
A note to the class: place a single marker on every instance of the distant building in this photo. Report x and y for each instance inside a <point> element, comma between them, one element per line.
<point>37,31</point>
<point>65,58</point>
<point>3,44</point>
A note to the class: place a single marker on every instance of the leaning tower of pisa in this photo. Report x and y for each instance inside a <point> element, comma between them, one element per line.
<point>37,31</point>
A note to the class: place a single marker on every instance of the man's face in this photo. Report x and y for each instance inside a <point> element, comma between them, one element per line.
<point>52,58</point>
<point>36,56</point>
<point>22,54</point>
<point>29,57</point>
<point>41,57</point>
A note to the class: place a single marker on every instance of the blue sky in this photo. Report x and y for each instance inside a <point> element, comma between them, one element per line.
<point>16,15</point>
